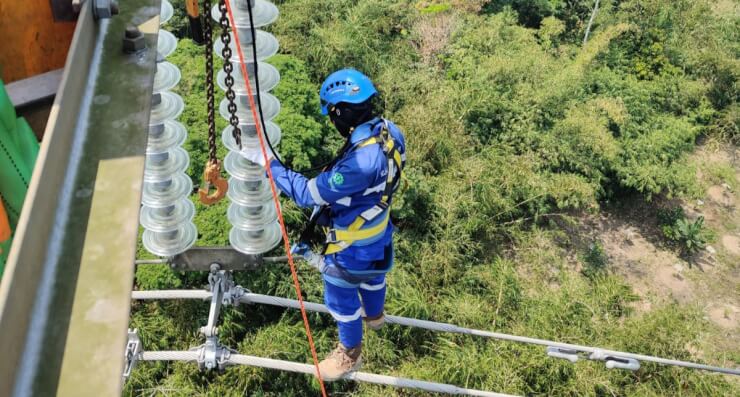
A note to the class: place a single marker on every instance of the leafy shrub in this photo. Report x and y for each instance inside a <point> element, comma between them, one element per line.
<point>669,216</point>
<point>413,207</point>
<point>343,33</point>
<point>595,260</point>
<point>691,236</point>
<point>435,8</point>
<point>727,125</point>
<point>530,12</point>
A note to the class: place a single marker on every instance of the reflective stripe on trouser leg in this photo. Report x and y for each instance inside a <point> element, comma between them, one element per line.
<point>344,305</point>
<point>373,296</point>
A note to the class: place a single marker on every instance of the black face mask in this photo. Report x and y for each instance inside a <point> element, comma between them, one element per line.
<point>347,116</point>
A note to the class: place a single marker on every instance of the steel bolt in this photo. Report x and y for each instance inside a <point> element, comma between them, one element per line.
<point>104,8</point>
<point>133,40</point>
<point>132,32</point>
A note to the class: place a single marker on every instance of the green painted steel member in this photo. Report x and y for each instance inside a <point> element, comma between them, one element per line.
<point>18,151</point>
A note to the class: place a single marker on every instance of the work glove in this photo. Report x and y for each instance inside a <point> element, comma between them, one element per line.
<point>312,258</point>
<point>255,155</point>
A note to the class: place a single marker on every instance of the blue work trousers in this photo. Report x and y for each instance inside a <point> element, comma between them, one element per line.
<point>347,309</point>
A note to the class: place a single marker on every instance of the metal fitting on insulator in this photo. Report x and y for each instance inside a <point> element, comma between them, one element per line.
<point>103,9</point>
<point>212,355</point>
<point>133,349</point>
<point>233,294</point>
<point>133,40</point>
<point>622,363</point>
<point>565,354</point>
<point>612,362</point>
<point>208,331</point>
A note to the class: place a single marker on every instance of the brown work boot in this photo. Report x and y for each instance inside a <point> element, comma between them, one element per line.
<point>376,322</point>
<point>340,362</point>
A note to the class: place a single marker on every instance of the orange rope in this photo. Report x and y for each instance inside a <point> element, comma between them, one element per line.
<point>286,239</point>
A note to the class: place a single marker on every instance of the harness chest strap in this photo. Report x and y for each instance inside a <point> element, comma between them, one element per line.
<point>339,239</point>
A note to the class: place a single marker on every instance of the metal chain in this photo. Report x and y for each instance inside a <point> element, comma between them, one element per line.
<point>210,96</point>
<point>212,172</point>
<point>229,69</point>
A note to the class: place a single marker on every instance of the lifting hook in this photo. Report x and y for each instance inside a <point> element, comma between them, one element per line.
<point>212,177</point>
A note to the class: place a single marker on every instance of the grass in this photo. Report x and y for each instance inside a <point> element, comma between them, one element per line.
<point>493,159</point>
<point>718,174</point>
<point>499,296</point>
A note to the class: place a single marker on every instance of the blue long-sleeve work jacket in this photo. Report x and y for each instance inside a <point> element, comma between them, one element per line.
<point>354,184</point>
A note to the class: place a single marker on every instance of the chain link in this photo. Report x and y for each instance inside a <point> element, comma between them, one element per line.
<point>229,69</point>
<point>210,96</point>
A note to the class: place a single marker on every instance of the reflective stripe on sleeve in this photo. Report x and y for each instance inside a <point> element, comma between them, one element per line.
<point>314,191</point>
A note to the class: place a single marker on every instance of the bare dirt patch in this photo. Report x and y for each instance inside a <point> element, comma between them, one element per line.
<point>637,250</point>
<point>633,252</point>
<point>726,316</point>
<point>731,244</point>
<point>721,196</point>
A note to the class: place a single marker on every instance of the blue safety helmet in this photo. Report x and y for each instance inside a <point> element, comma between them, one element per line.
<point>346,85</point>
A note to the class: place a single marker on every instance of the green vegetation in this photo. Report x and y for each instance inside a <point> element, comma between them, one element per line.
<point>691,236</point>
<point>514,127</point>
<point>595,260</point>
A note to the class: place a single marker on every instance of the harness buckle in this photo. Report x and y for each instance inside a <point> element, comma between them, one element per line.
<point>331,236</point>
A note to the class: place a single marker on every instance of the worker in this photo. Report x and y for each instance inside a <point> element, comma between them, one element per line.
<point>351,199</point>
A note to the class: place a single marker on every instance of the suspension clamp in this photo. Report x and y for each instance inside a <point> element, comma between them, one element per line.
<point>233,294</point>
<point>230,292</point>
<point>612,362</point>
<point>565,354</point>
<point>133,349</point>
<point>212,355</point>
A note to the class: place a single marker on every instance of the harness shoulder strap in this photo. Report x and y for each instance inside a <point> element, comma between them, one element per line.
<point>338,239</point>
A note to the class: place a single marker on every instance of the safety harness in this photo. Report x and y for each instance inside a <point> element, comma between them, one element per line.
<point>338,239</point>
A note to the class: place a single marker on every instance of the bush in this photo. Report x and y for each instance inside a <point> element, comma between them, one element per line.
<point>595,261</point>
<point>691,236</point>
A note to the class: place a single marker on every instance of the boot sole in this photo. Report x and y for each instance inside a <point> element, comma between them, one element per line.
<point>354,368</point>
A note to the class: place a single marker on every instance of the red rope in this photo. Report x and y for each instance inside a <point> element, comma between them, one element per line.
<point>286,239</point>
